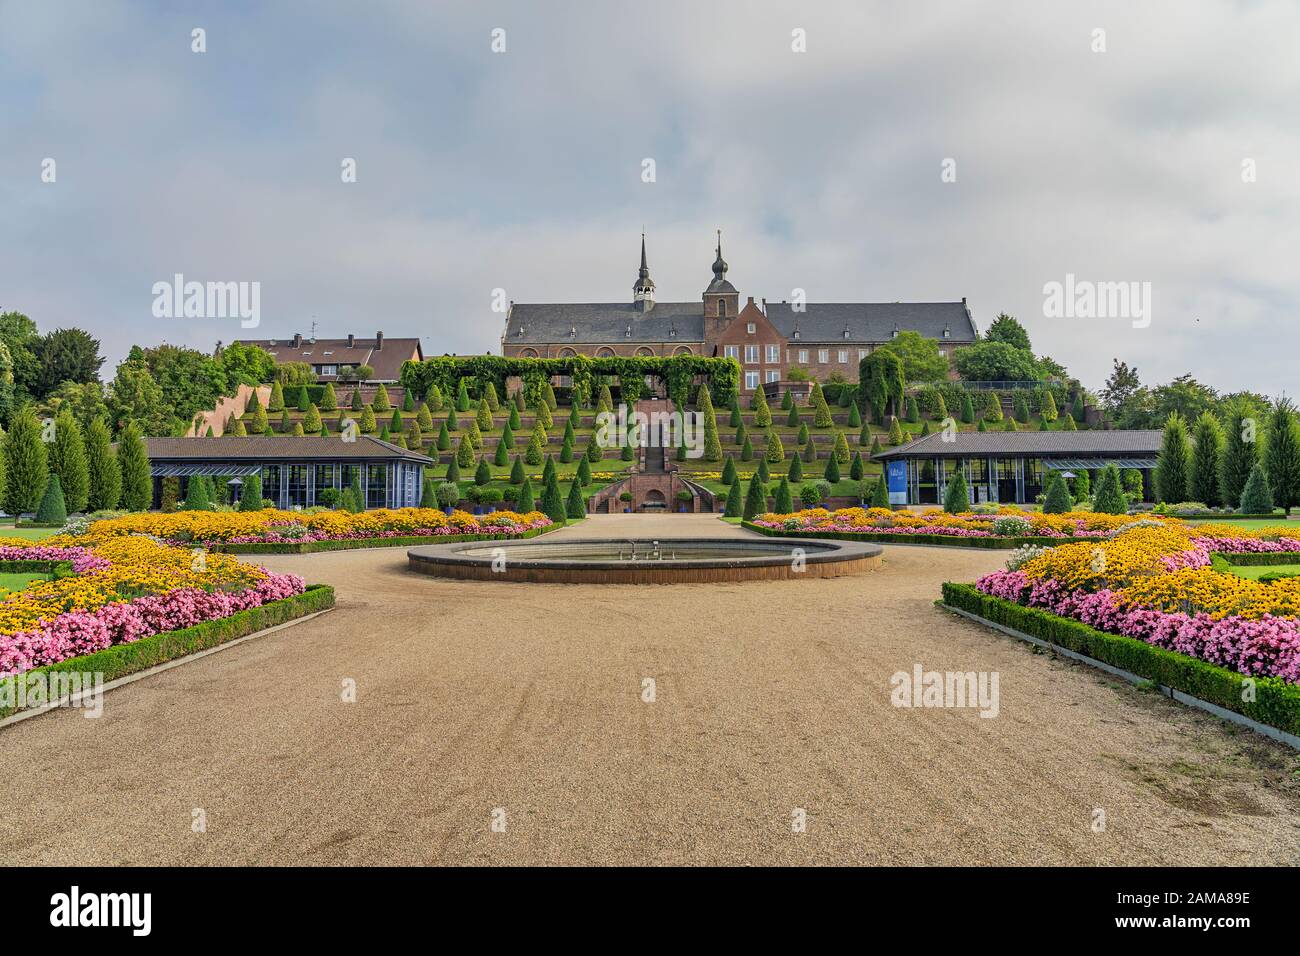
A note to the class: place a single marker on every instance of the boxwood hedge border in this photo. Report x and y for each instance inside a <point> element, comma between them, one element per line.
<point>57,569</point>
<point>943,540</point>
<point>352,544</point>
<point>1258,558</point>
<point>1276,707</point>
<point>122,660</point>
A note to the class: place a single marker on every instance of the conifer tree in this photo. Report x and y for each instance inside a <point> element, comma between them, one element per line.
<point>755,500</point>
<point>1240,453</point>
<point>1257,497</point>
<point>1207,454</point>
<point>735,506</point>
<point>67,459</point>
<point>1282,455</point>
<point>105,476</point>
<point>276,402</point>
<point>784,502</point>
<point>796,469</point>
<point>133,460</point>
<point>1174,461</point>
<point>329,400</point>
<point>26,468</point>
<point>841,453</point>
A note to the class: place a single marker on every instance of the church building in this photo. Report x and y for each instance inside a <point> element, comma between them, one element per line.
<point>768,339</point>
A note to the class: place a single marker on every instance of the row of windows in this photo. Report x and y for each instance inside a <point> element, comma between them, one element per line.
<point>605,352</point>
<point>752,352</point>
<point>751,378</point>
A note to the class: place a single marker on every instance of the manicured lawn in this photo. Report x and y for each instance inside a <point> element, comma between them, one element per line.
<point>19,580</point>
<point>1254,571</point>
<point>7,530</point>
<point>1255,523</point>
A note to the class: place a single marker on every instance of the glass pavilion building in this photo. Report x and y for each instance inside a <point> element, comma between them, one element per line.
<point>294,469</point>
<point>1010,467</point>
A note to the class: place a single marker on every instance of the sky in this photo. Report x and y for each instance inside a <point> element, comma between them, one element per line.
<point>1164,149</point>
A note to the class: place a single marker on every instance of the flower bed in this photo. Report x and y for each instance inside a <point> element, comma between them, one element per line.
<point>123,589</point>
<point>1008,527</point>
<point>271,526</point>
<point>1157,585</point>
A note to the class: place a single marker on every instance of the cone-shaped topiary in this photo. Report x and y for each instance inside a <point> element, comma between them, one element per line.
<point>855,417</point>
<point>841,453</point>
<point>855,468</point>
<point>576,505</point>
<point>502,457</point>
<point>747,451</point>
<point>1109,498</point>
<point>584,472</point>
<point>198,495</point>
<point>796,469</point>
<point>311,421</point>
<point>729,472</point>
<point>250,498</point>
<point>775,450</point>
<point>735,506</point>
<point>809,450</point>
<point>763,474</point>
<point>762,412</point>
<point>793,420</point>
<point>895,432</point>
<point>787,401</point>
<point>880,494</point>
<point>1057,500</point>
<point>594,452</point>
<point>755,499</point>
<point>552,501</point>
<point>483,473</point>
<point>832,473</point>
<point>52,509</point>
<point>462,395</point>
<point>956,499</point>
<point>784,502</point>
<point>1257,497</point>
<point>276,402</point>
<point>526,502</point>
<point>465,452</point>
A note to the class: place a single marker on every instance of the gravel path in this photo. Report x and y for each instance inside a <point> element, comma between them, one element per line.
<point>770,697</point>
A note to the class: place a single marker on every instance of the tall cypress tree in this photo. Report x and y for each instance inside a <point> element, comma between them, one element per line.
<point>735,505</point>
<point>1206,460</point>
<point>133,458</point>
<point>755,499</point>
<point>1174,462</point>
<point>67,459</point>
<point>1282,457</point>
<point>26,468</point>
<point>552,500</point>
<point>1240,452</point>
<point>105,475</point>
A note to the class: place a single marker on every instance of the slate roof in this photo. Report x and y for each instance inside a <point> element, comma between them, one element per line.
<point>543,323</point>
<point>386,361</point>
<point>1132,443</point>
<point>277,448</point>
<point>873,321</point>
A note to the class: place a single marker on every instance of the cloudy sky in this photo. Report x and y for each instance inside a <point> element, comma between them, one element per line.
<point>522,170</point>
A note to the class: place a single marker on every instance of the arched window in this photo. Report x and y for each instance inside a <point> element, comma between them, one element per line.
<point>604,352</point>
<point>645,351</point>
<point>722,308</point>
<point>567,352</point>
<point>528,353</point>
<point>682,350</point>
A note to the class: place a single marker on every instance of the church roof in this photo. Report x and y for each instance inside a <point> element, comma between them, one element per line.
<point>551,322</point>
<point>873,321</point>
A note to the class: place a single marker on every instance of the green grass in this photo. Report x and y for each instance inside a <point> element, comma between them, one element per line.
<point>7,530</point>
<point>1254,523</point>
<point>1254,571</point>
<point>16,581</point>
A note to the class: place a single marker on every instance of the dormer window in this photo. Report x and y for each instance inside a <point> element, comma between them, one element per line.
<point>894,334</point>
<point>628,333</point>
<point>946,331</point>
<point>847,334</point>
<point>672,333</point>
<point>796,333</point>
<point>751,328</point>
<point>521,330</point>
<point>573,331</point>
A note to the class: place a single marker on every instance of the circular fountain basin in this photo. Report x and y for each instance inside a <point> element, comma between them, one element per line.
<point>645,561</point>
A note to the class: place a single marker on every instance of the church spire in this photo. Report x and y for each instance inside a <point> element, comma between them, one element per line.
<point>644,289</point>
<point>719,264</point>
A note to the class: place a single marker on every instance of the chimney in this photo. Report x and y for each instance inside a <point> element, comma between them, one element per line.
<point>751,300</point>
<point>352,341</point>
<point>297,340</point>
<point>379,341</point>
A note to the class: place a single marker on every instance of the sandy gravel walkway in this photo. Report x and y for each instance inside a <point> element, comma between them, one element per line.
<point>769,697</point>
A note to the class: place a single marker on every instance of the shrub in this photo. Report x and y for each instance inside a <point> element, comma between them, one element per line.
<point>809,494</point>
<point>747,451</point>
<point>1012,526</point>
<point>755,499</point>
<point>841,449</point>
<point>784,503</point>
<point>1110,498</point>
<point>1174,463</point>
<point>880,494</point>
<point>895,432</point>
<point>465,452</point>
<point>775,451</point>
<point>105,475</point>
<point>956,499</point>
<point>447,494</point>
<point>855,469</point>
<point>483,473</point>
<point>251,497</point>
<point>584,472</point>
<point>1257,497</point>
<point>735,506</point>
<point>52,509</point>
<point>832,473</point>
<point>329,497</point>
<point>576,505</point>
<point>526,502</point>
<point>1057,500</point>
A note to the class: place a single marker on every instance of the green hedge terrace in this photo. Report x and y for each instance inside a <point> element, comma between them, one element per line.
<point>1277,703</point>
<point>121,660</point>
<point>823,440</point>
